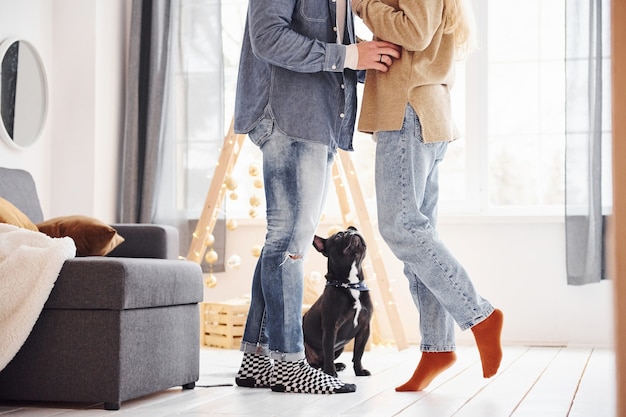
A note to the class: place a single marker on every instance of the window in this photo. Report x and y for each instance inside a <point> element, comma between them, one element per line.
<point>511,94</point>
<point>196,106</point>
<point>508,100</point>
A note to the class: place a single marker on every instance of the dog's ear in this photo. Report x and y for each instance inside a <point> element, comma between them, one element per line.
<point>320,244</point>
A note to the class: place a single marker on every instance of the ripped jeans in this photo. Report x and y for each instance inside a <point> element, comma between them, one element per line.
<point>297,176</point>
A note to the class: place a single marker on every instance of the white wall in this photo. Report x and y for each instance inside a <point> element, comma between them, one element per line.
<point>89,63</point>
<point>82,45</point>
<point>30,20</point>
<point>518,264</point>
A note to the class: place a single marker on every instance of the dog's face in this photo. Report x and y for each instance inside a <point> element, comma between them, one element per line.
<point>343,250</point>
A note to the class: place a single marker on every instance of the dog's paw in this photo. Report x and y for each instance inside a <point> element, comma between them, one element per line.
<point>362,372</point>
<point>340,366</point>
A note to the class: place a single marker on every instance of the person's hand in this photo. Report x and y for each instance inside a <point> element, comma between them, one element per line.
<point>378,55</point>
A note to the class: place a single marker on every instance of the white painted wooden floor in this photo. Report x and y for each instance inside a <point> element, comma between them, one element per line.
<point>533,381</point>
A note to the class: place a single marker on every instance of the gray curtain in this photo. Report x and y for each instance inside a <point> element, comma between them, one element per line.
<point>587,161</point>
<point>145,98</point>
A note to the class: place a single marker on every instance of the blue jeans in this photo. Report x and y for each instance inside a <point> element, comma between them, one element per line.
<point>296,175</point>
<point>407,193</point>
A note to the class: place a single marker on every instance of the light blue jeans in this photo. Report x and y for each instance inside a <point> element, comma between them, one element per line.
<point>297,176</point>
<point>407,193</point>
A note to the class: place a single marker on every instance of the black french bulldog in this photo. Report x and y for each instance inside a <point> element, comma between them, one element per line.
<point>344,310</point>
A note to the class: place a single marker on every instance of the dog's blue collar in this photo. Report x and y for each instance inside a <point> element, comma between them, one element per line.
<point>360,286</point>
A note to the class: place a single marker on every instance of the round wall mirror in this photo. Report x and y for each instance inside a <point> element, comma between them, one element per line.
<point>23,93</point>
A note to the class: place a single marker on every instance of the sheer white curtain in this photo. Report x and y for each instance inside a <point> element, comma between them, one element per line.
<point>588,138</point>
<point>193,116</point>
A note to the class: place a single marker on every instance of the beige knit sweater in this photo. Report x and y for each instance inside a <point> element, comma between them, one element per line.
<point>424,74</point>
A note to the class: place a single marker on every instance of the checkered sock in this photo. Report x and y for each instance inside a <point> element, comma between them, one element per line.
<point>299,376</point>
<point>255,371</point>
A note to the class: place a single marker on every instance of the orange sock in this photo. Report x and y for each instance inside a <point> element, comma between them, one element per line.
<point>431,364</point>
<point>487,334</point>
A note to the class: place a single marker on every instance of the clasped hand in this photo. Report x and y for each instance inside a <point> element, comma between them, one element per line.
<point>378,55</point>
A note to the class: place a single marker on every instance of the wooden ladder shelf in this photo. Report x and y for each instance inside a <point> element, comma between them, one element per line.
<point>343,168</point>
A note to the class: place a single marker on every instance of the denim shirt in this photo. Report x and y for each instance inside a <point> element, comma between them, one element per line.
<point>292,71</point>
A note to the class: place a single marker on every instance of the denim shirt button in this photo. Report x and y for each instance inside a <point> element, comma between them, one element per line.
<point>334,28</point>
<point>334,67</point>
<point>342,115</point>
<point>343,86</point>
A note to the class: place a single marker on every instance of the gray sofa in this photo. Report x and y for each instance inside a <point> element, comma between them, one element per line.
<point>114,328</point>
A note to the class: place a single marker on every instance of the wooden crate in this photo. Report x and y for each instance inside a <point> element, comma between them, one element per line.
<point>223,323</point>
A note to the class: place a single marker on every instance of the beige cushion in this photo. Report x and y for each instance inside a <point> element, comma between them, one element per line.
<point>91,236</point>
<point>12,215</point>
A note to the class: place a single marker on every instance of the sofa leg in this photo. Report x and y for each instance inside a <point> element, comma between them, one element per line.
<point>190,385</point>
<point>111,406</point>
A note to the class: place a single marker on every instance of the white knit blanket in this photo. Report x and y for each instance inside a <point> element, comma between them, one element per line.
<point>30,263</point>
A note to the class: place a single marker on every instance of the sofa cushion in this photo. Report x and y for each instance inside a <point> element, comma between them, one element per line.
<point>103,283</point>
<point>91,236</point>
<point>147,240</point>
<point>12,215</point>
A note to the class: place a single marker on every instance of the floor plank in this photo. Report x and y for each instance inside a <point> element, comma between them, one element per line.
<point>555,388</point>
<point>532,381</point>
<point>596,395</point>
<point>454,393</point>
<point>395,402</point>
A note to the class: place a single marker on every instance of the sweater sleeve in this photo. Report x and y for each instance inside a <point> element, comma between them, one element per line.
<point>411,25</point>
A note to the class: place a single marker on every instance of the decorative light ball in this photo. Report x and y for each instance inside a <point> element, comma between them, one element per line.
<point>234,262</point>
<point>252,213</point>
<point>230,183</point>
<point>209,240</point>
<point>233,196</point>
<point>210,281</point>
<point>258,183</point>
<point>334,229</point>
<point>231,224</point>
<point>211,257</point>
<point>256,251</point>
<point>315,276</point>
<point>255,201</point>
<point>253,170</point>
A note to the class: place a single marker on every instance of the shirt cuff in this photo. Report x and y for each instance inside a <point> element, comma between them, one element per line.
<point>352,57</point>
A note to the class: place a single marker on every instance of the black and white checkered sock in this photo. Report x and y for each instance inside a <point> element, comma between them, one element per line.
<point>255,371</point>
<point>299,376</point>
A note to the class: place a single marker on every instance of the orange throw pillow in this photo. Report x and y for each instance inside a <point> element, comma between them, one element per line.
<point>12,215</point>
